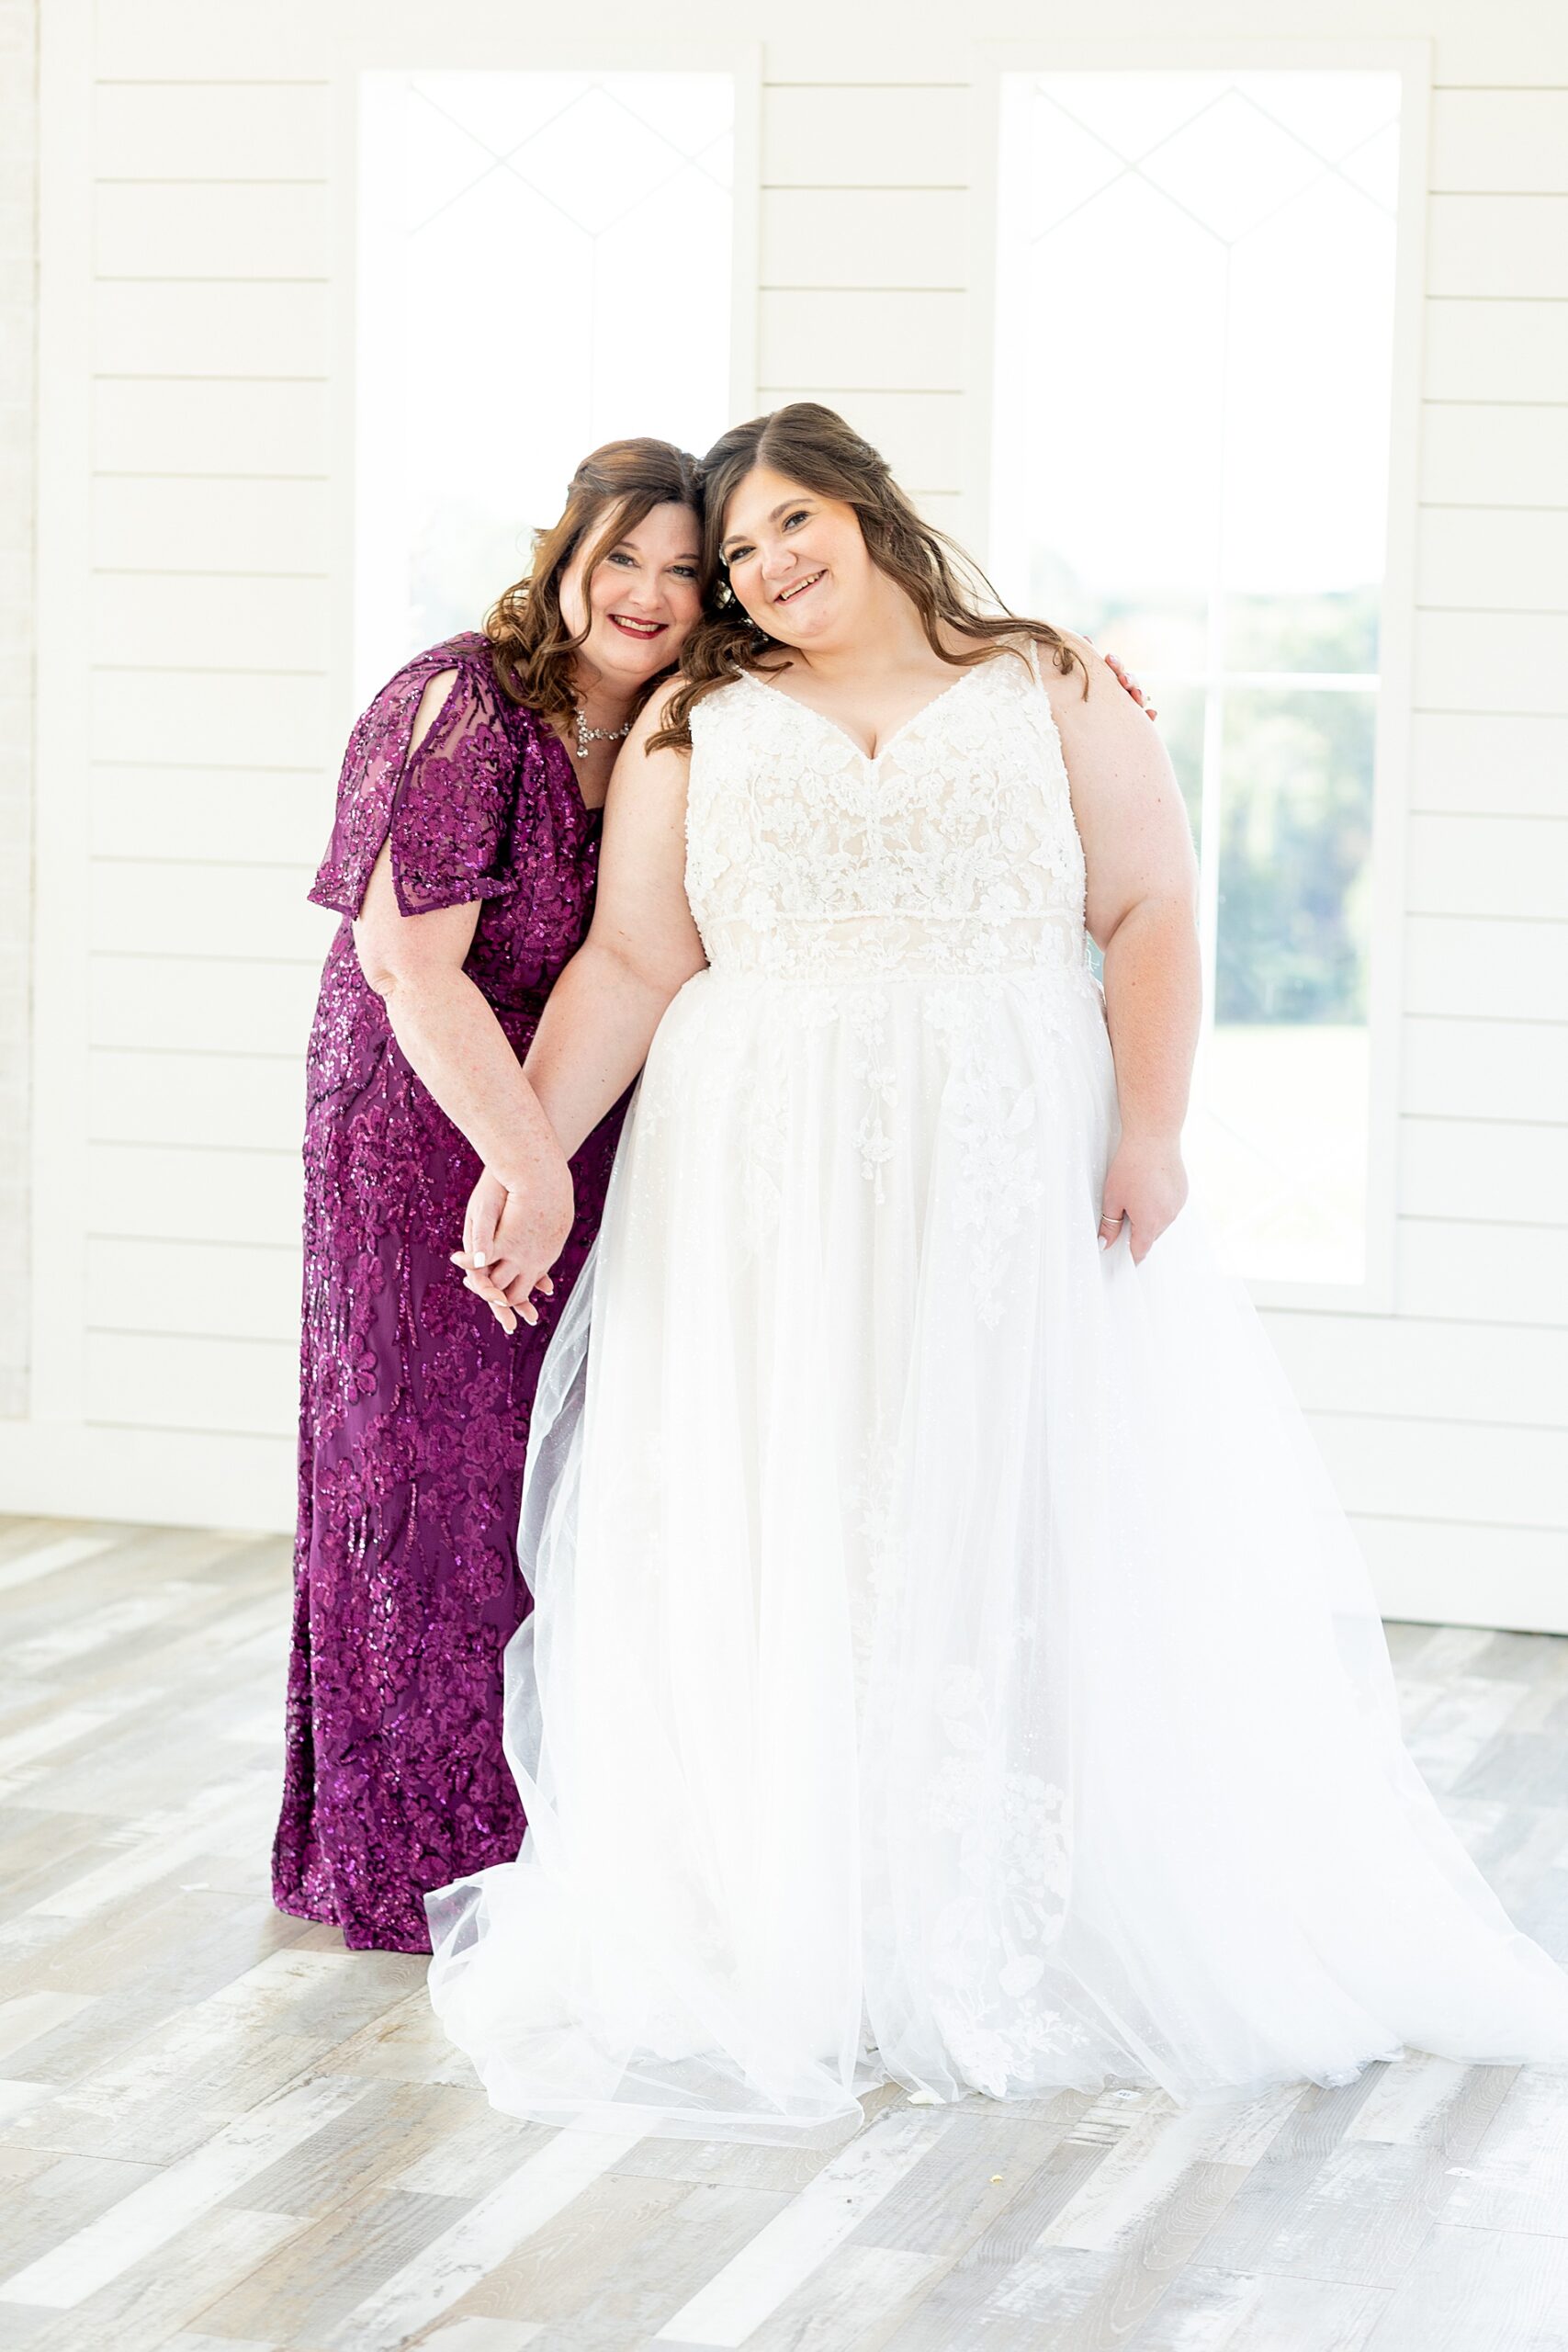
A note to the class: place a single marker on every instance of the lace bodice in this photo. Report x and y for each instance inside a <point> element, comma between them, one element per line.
<point>952,851</point>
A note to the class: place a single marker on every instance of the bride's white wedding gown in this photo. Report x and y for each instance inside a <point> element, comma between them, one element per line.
<point>949,1661</point>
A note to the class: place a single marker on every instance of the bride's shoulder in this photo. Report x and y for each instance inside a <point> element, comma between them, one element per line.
<point>713,700</point>
<point>1049,651</point>
<point>1078,681</point>
<point>677,712</point>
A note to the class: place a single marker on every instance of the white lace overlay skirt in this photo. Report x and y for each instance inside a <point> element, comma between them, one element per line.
<point>948,1660</point>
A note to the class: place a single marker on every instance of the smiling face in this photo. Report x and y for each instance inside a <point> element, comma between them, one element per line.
<point>798,561</point>
<point>641,599</point>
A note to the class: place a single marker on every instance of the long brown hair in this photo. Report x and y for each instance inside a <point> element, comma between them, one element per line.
<point>609,495</point>
<point>815,448</point>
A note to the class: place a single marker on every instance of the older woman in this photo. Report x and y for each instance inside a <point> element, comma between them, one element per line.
<point>463,862</point>
<point>933,1553</point>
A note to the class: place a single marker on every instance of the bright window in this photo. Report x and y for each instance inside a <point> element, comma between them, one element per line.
<point>544,264</point>
<point>1193,357</point>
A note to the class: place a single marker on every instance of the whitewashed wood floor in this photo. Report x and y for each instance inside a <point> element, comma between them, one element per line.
<point>220,2133</point>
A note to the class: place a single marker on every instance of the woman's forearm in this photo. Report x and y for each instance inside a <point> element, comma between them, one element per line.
<point>594,1038</point>
<point>456,1046</point>
<point>1153,1005</point>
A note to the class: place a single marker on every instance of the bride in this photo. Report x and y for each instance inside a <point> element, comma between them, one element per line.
<point>948,1663</point>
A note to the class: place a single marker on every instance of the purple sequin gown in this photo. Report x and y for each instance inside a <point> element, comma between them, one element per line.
<point>413,1402</point>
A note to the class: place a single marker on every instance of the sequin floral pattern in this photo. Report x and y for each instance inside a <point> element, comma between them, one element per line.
<point>413,1403</point>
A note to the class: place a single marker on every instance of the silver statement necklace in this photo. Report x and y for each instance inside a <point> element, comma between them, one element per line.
<point>586,735</point>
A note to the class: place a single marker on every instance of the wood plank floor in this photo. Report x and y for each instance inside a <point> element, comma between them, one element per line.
<point>221,2133</point>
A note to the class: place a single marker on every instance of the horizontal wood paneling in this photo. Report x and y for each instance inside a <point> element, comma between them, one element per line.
<point>219,1289</point>
<point>212,718</point>
<point>159,1001</point>
<point>1494,141</point>
<point>1520,45</point>
<point>1489,762</point>
<point>1486,1170</point>
<point>1484,1070</point>
<point>814,137</point>
<point>1499,969</point>
<point>1477,557</point>
<point>145,129</point>
<point>193,1193</point>
<point>1467,1573</point>
<point>1488,865</point>
<point>207,910</point>
<point>1492,661</point>
<point>175,620</point>
<point>864,237</point>
<point>1517,50</point>
<point>206,526</point>
<point>1484,1274</point>
<point>861,342</point>
<point>1495,351</point>
<point>1379,1364</point>
<point>1515,248</point>
<point>233,815</point>
<point>196,1099</point>
<point>213,328</point>
<point>154,426</point>
<point>920,433</point>
<point>182,39</point>
<point>172,1478</point>
<point>1392,1468</point>
<point>171,229</point>
<point>1480,454</point>
<point>216,1382</point>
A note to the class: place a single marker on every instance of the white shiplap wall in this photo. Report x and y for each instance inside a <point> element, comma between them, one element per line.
<point>201,303</point>
<point>1446,1423</point>
<point>211,741</point>
<point>18,414</point>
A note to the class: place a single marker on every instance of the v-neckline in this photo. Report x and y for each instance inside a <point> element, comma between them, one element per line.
<point>870,758</point>
<point>588,812</point>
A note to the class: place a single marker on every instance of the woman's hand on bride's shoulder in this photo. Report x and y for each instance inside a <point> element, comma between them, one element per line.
<point>1125,678</point>
<point>1146,1190</point>
<point>511,1238</point>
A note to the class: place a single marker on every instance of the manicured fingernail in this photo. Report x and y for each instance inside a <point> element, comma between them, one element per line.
<point>1103,1243</point>
<point>479,1257</point>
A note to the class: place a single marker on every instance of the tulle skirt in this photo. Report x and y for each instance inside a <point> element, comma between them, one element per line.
<point>949,1661</point>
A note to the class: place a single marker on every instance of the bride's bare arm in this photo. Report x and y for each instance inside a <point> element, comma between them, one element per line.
<point>642,946</point>
<point>1142,914</point>
<point>596,1028</point>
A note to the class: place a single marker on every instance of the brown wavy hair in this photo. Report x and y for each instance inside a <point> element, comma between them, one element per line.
<point>609,495</point>
<point>815,448</point>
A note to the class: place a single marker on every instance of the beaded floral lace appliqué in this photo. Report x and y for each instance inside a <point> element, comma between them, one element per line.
<point>828,879</point>
<point>952,855</point>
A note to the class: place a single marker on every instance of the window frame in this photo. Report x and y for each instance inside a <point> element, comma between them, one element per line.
<point>505,43</point>
<point>1411,60</point>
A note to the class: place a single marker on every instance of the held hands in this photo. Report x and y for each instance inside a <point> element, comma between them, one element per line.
<point>512,1240</point>
<point>1145,1186</point>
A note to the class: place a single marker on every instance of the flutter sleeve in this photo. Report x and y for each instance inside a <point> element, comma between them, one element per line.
<point>448,808</point>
